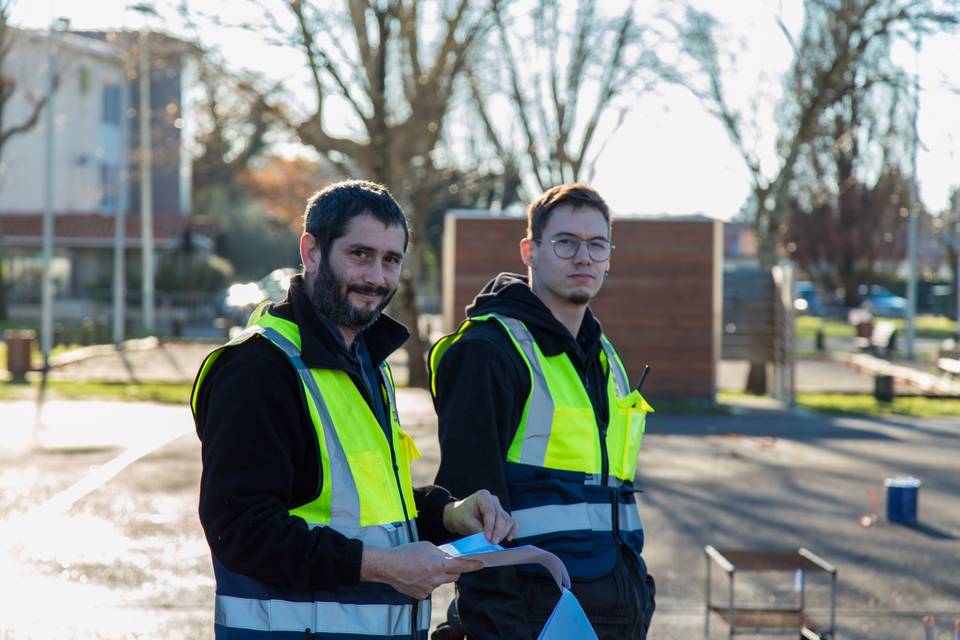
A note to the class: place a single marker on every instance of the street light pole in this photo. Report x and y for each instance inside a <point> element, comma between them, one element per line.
<point>146,186</point>
<point>914,210</point>
<point>956,277</point>
<point>120,222</point>
<point>46,320</point>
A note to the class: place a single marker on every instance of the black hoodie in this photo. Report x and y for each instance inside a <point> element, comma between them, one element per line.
<point>260,455</point>
<point>483,384</point>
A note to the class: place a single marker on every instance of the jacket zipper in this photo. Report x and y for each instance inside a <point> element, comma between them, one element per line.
<point>388,413</point>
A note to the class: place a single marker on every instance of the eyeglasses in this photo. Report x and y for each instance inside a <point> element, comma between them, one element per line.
<point>599,249</point>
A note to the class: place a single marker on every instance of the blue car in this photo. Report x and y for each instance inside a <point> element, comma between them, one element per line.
<point>884,304</point>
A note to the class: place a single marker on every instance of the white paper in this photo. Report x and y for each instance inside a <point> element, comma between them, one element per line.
<point>477,547</point>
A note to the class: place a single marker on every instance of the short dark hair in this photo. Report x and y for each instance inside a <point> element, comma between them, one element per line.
<point>573,193</point>
<point>330,210</point>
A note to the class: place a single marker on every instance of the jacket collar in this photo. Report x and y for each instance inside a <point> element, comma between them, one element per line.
<point>321,343</point>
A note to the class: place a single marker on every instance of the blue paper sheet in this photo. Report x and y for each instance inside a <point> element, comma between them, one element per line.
<point>568,621</point>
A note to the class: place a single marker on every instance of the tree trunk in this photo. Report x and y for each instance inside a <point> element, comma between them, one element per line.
<point>416,346</point>
<point>3,291</point>
<point>952,261</point>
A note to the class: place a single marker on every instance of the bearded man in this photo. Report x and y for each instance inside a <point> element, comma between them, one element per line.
<point>306,497</point>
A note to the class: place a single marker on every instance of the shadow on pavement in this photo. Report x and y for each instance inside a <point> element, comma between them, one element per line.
<point>787,426</point>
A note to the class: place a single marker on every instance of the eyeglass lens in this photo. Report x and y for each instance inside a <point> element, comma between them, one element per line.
<point>598,248</point>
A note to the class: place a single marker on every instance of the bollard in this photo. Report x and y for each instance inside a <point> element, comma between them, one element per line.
<point>883,388</point>
<point>929,630</point>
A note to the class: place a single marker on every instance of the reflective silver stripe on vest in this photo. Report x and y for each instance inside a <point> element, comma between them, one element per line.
<point>536,437</point>
<point>344,497</point>
<point>613,363</point>
<point>583,516</point>
<point>596,480</point>
<point>391,392</point>
<point>327,617</point>
<point>383,536</point>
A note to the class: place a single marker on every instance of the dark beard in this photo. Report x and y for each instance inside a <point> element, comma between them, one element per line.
<point>330,299</point>
<point>578,298</point>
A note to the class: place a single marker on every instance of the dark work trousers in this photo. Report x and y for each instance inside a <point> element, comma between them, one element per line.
<point>619,605</point>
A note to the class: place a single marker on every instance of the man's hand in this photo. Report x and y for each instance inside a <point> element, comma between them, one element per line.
<point>480,511</point>
<point>413,569</point>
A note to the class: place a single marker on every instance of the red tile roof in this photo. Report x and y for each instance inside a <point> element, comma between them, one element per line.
<point>88,229</point>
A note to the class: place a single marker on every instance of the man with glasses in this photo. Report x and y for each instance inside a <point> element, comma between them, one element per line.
<point>534,405</point>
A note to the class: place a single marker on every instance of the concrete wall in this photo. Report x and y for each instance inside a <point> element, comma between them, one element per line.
<point>661,305</point>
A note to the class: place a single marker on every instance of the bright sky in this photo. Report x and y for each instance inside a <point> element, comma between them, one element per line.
<point>669,156</point>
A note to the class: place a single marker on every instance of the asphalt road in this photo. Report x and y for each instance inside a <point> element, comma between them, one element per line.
<point>99,537</point>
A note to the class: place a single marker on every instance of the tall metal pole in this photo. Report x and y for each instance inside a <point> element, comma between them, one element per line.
<point>956,285</point>
<point>146,187</point>
<point>46,320</point>
<point>914,211</point>
<point>120,221</point>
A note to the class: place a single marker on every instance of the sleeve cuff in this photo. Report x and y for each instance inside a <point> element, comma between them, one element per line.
<point>431,501</point>
<point>349,559</point>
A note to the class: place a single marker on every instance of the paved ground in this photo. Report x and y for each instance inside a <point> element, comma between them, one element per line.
<point>99,499</point>
<point>97,516</point>
<point>177,361</point>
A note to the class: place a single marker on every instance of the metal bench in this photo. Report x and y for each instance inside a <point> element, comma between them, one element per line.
<point>948,361</point>
<point>882,340</point>
<point>788,618</point>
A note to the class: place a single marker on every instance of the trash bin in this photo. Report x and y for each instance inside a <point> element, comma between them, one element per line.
<point>902,495</point>
<point>19,350</point>
<point>883,387</point>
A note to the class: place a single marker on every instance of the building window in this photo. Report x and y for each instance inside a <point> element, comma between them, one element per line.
<point>111,104</point>
<point>108,188</point>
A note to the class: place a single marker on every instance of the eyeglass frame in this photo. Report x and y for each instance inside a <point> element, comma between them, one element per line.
<point>580,242</point>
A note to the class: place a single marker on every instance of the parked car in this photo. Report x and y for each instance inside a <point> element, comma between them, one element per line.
<point>883,303</point>
<point>241,298</point>
<point>807,300</point>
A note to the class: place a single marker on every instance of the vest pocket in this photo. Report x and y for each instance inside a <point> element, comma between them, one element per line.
<point>407,452</point>
<point>631,421</point>
<point>372,474</point>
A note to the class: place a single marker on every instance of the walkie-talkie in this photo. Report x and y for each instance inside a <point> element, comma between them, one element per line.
<point>643,376</point>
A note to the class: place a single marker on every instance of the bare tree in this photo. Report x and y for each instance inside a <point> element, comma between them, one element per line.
<point>837,36</point>
<point>383,74</point>
<point>8,87</point>
<point>846,224</point>
<point>569,73</point>
<point>236,114</point>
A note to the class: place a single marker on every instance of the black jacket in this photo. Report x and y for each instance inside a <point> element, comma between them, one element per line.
<point>495,390</point>
<point>261,457</point>
<point>482,386</point>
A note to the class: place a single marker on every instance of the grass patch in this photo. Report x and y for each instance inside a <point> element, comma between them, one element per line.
<point>165,393</point>
<point>865,404</point>
<point>935,327</point>
<point>806,327</point>
<point>688,408</point>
